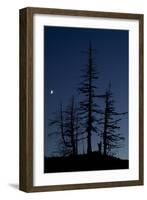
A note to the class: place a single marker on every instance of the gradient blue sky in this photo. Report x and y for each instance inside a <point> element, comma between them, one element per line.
<point>64,57</point>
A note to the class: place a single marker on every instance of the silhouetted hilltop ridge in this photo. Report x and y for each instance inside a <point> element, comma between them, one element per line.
<point>86,162</point>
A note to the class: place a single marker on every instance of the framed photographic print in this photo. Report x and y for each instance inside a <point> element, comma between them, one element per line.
<point>81,99</point>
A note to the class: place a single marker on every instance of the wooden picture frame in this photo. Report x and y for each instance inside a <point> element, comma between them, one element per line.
<point>27,98</point>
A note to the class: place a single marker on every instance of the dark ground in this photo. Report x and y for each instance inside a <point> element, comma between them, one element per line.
<point>83,163</point>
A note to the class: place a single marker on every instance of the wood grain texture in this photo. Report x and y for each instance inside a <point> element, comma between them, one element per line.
<point>26,101</point>
<point>26,98</point>
<point>141,99</point>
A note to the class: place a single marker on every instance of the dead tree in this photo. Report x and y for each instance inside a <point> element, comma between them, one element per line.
<point>58,123</point>
<point>111,137</point>
<point>67,128</point>
<point>71,126</point>
<point>88,105</point>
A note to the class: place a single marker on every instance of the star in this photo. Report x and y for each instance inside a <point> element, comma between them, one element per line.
<point>51,92</point>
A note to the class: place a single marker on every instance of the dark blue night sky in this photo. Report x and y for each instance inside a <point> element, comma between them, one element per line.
<point>64,57</point>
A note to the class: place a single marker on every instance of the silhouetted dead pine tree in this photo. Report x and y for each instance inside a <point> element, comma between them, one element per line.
<point>58,122</point>
<point>71,126</point>
<point>88,105</point>
<point>111,137</point>
<point>67,125</point>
